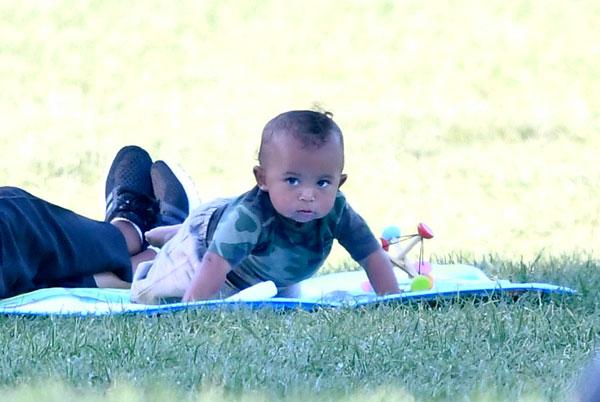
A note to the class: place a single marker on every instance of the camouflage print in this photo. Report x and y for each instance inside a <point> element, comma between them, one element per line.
<point>258,243</point>
<point>261,245</point>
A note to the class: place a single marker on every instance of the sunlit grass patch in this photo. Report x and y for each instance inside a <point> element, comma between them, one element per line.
<point>479,118</point>
<point>529,349</point>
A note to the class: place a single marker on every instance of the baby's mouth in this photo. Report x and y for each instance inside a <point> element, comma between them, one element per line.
<point>305,214</point>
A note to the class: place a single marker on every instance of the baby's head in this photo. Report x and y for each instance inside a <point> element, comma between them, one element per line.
<point>311,129</point>
<point>301,158</point>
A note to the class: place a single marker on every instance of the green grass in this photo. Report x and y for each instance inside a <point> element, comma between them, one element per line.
<point>469,350</point>
<point>481,119</point>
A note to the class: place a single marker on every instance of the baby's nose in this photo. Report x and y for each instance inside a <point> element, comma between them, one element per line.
<point>307,194</point>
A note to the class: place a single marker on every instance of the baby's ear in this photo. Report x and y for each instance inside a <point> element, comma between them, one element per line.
<point>343,178</point>
<point>259,175</point>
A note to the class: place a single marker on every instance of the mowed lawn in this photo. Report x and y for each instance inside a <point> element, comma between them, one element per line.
<point>479,118</point>
<point>470,350</point>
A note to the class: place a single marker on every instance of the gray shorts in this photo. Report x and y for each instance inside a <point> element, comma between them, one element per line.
<point>169,275</point>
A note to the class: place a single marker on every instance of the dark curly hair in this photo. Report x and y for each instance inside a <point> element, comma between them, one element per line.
<point>311,128</point>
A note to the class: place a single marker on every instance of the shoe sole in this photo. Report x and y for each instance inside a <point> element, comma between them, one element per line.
<point>188,185</point>
<point>184,180</point>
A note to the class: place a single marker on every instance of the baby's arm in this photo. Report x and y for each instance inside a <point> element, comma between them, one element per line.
<point>208,279</point>
<point>380,272</point>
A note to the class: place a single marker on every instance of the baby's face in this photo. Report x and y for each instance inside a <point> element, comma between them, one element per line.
<point>302,182</point>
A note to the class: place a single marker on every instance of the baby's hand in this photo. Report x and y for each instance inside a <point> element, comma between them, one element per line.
<point>158,236</point>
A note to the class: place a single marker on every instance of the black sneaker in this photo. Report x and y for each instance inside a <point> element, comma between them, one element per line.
<point>170,193</point>
<point>129,192</point>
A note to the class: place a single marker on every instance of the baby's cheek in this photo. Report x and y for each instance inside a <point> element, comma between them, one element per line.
<point>328,204</point>
<point>282,210</point>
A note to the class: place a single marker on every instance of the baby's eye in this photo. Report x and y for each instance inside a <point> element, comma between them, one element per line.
<point>323,183</point>
<point>293,181</point>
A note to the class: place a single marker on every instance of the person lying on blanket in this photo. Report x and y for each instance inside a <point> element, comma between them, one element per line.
<point>281,230</point>
<point>43,245</point>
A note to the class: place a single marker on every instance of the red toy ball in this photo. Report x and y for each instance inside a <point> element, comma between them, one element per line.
<point>424,231</point>
<point>385,244</point>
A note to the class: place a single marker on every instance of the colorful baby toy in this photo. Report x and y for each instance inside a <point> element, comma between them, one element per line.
<point>419,271</point>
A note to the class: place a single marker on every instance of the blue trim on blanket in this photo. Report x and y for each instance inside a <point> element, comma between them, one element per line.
<point>99,302</point>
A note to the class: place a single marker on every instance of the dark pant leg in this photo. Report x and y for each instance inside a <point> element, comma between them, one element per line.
<point>43,245</point>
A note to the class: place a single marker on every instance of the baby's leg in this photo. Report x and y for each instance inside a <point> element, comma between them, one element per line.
<point>170,274</point>
<point>157,237</point>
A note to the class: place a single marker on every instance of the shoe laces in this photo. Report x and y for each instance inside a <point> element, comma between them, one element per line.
<point>139,204</point>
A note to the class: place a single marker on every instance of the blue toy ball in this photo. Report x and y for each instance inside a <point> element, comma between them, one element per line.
<point>390,232</point>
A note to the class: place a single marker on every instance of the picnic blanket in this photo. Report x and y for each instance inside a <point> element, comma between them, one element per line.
<point>336,290</point>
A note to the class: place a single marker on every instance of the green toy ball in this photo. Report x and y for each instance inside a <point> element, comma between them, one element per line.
<point>420,283</point>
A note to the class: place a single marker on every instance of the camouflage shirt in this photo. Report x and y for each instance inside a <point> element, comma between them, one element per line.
<point>261,245</point>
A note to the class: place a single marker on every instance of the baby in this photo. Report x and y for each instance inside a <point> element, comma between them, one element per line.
<point>282,230</point>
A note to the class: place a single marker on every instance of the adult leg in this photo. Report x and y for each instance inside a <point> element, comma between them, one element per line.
<point>141,195</point>
<point>130,235</point>
<point>43,245</point>
<point>129,172</point>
